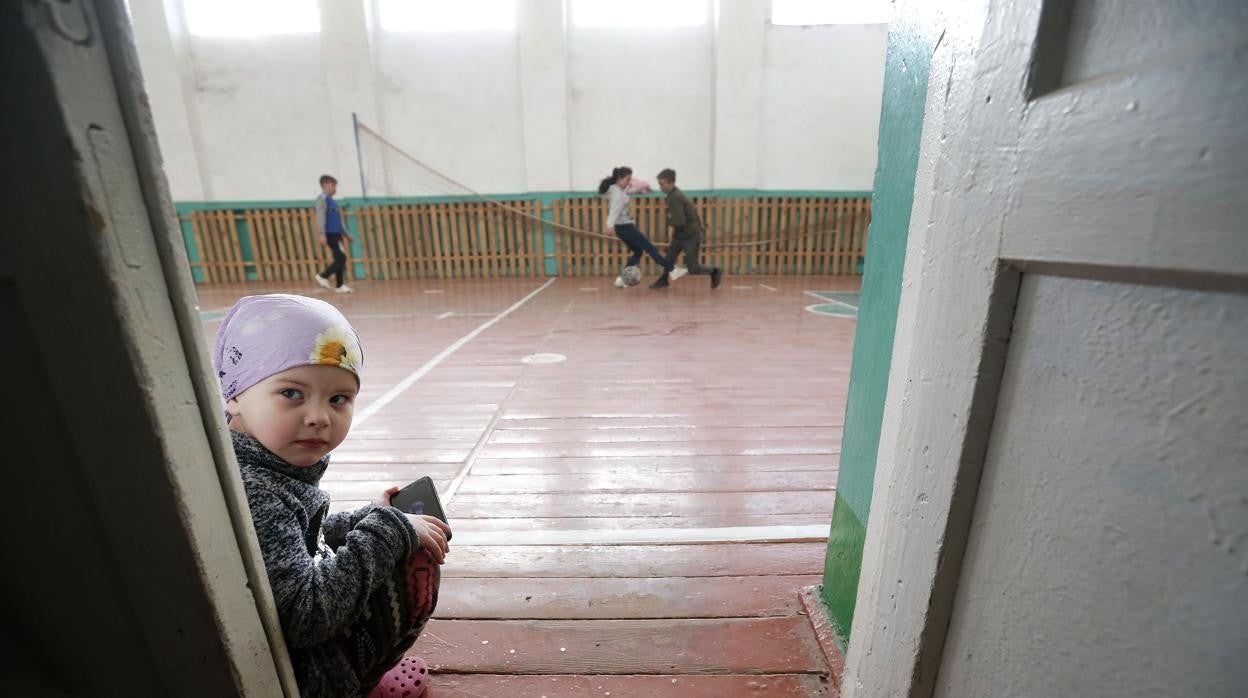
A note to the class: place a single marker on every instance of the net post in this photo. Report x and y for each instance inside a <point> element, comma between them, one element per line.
<point>359,155</point>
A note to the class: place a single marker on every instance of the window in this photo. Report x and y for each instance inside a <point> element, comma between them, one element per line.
<point>237,18</point>
<point>809,12</point>
<point>649,14</point>
<point>447,15</point>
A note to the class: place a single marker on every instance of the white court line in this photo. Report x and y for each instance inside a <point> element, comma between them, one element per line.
<point>419,373</point>
<point>445,315</point>
<point>743,288</point>
<point>484,439</point>
<point>646,536</point>
<point>587,288</point>
<point>767,287</point>
<point>812,294</point>
<point>433,290</point>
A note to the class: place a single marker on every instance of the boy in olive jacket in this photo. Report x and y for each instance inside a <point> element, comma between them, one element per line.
<point>686,229</point>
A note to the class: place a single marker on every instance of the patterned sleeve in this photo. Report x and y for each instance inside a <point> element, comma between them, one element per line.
<point>316,599</point>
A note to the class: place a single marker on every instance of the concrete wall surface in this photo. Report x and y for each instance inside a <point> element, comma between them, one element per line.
<point>546,105</point>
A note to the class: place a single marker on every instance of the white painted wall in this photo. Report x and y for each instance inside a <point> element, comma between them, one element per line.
<point>816,124</point>
<point>735,103</point>
<point>263,115</point>
<point>453,102</point>
<point>641,98</point>
<point>161,39</point>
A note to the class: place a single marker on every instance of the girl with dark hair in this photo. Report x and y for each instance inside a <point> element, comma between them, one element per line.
<point>620,222</point>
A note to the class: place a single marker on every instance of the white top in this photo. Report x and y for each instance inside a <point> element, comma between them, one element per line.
<point>617,207</point>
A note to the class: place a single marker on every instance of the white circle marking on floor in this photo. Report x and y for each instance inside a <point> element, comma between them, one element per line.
<point>544,358</point>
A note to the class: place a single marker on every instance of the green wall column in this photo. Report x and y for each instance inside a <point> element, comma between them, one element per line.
<point>549,261</point>
<point>906,68</point>
<point>245,246</point>
<point>357,249</point>
<point>188,236</point>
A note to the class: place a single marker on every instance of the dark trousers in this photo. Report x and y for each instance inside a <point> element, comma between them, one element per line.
<point>638,243</point>
<point>339,264</point>
<point>690,245</point>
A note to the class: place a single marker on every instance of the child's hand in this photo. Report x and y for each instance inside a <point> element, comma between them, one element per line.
<point>324,241</point>
<point>384,501</point>
<point>432,533</point>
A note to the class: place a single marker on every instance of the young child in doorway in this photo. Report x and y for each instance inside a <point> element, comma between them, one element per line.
<point>686,227</point>
<point>332,228</point>
<point>353,589</point>
<point>620,223</point>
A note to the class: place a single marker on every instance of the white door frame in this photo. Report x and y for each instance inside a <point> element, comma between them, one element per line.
<point>995,106</point>
<point>101,268</point>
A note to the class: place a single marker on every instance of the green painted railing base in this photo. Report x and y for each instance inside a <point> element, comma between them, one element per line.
<point>842,567</point>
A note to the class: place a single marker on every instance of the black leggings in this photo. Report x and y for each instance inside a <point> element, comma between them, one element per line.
<point>638,243</point>
<point>339,264</point>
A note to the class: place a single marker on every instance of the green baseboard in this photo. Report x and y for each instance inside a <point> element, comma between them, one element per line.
<point>842,567</point>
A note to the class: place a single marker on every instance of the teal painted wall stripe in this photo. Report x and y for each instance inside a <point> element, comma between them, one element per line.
<point>907,63</point>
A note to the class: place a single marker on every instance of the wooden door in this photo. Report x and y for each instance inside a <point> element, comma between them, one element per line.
<point>1066,514</point>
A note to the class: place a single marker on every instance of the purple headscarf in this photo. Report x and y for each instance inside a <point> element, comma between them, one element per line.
<point>265,335</point>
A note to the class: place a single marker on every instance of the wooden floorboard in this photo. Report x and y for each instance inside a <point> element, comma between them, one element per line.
<point>662,464</point>
<point>657,504</point>
<point>675,415</point>
<point>652,482</point>
<point>666,686</point>
<point>636,560</point>
<point>622,597</point>
<point>671,646</point>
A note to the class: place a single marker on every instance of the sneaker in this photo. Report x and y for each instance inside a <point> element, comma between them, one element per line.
<point>660,283</point>
<point>344,289</point>
<point>323,281</point>
<point>678,272</point>
<point>716,275</point>
<point>619,282</point>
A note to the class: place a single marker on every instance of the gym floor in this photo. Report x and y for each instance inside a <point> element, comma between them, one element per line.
<point>640,482</point>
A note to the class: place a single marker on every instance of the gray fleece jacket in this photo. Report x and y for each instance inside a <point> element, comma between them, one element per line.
<point>322,567</point>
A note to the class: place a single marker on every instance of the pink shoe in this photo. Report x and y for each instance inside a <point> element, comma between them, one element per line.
<point>407,679</point>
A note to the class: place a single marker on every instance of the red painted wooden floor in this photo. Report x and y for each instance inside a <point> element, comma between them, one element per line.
<point>599,503</point>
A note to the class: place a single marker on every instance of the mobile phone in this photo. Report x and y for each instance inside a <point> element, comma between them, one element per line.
<point>420,497</point>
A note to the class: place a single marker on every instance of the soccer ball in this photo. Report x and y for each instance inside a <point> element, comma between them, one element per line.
<point>631,276</point>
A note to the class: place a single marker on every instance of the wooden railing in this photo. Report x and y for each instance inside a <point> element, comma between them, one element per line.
<point>472,240</point>
<point>481,240</point>
<point>759,235</point>
<point>216,243</point>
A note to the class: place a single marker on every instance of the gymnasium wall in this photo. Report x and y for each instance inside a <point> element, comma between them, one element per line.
<point>735,103</point>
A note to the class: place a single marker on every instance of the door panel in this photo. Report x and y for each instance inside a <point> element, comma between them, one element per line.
<point>1108,552</point>
<point>1067,513</point>
<point>1143,168</point>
